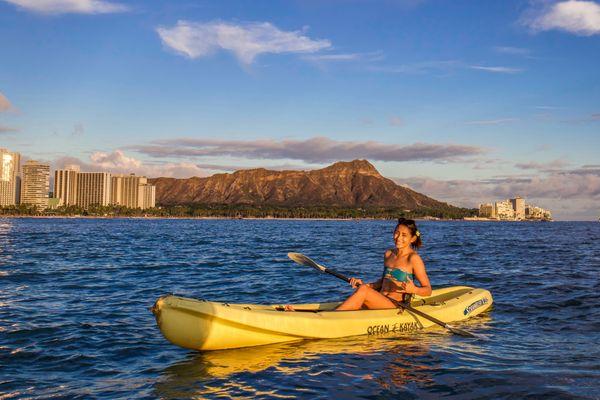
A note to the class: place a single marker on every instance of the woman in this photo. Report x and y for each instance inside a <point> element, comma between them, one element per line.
<point>402,266</point>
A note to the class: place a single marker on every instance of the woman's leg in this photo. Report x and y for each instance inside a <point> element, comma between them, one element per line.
<point>368,297</point>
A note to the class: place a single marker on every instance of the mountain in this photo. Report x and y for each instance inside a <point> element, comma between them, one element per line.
<point>355,184</point>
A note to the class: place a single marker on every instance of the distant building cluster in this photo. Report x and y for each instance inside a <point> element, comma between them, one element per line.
<point>513,210</point>
<point>30,184</point>
<point>10,183</point>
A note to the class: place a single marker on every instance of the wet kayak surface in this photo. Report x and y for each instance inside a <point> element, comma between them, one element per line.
<point>75,294</point>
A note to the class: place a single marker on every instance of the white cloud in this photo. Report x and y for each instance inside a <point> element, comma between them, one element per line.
<point>4,103</point>
<point>517,51</point>
<point>568,194</point>
<point>499,70</point>
<point>544,167</point>
<point>548,107</point>
<point>119,163</point>
<point>313,150</point>
<point>369,57</point>
<point>334,57</point>
<point>7,129</point>
<point>491,121</point>
<point>419,67</point>
<point>268,165</point>
<point>174,170</point>
<point>245,41</point>
<point>116,159</point>
<point>69,6</point>
<point>441,67</point>
<point>578,17</point>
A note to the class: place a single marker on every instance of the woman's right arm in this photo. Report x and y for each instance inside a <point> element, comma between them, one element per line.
<point>356,282</point>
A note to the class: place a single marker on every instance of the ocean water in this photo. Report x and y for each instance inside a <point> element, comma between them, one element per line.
<point>75,320</point>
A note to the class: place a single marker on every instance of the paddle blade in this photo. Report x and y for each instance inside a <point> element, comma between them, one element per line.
<point>304,260</point>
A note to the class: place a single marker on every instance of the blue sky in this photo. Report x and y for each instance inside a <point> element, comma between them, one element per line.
<point>465,101</point>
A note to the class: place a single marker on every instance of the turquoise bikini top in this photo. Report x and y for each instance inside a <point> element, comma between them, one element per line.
<point>397,274</point>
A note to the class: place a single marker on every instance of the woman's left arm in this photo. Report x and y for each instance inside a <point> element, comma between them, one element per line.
<point>419,272</point>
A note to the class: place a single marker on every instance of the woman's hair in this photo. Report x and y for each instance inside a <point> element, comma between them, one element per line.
<point>412,226</point>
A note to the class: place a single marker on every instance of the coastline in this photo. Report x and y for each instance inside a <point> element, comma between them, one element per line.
<point>482,219</point>
<point>150,217</point>
<point>193,218</point>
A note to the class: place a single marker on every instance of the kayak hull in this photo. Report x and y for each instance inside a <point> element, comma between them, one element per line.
<point>204,325</point>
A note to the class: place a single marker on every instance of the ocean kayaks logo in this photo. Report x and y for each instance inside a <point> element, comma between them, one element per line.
<point>476,305</point>
<point>397,327</point>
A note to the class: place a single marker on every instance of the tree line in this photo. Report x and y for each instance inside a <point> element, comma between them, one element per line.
<point>196,210</point>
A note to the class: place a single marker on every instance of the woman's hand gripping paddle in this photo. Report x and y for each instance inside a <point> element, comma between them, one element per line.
<point>304,260</point>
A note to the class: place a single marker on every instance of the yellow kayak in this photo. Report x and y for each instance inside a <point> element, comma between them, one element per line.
<point>205,325</point>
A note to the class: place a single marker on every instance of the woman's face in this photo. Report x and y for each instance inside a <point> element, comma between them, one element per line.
<point>403,237</point>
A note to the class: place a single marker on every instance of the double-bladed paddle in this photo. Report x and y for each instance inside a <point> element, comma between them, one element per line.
<point>304,260</point>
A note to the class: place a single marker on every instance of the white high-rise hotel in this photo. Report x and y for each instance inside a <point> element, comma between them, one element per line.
<point>132,191</point>
<point>30,186</point>
<point>35,184</point>
<point>65,185</point>
<point>513,209</point>
<point>84,189</point>
<point>93,188</point>
<point>9,177</point>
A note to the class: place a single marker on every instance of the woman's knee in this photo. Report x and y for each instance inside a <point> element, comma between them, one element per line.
<point>363,289</point>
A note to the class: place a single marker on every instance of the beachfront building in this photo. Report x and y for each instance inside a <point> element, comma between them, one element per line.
<point>124,190</point>
<point>35,184</point>
<point>65,185</point>
<point>518,205</point>
<point>84,189</point>
<point>132,191</point>
<point>513,210</point>
<point>147,196</point>
<point>504,210</point>
<point>487,210</point>
<point>10,164</point>
<point>534,212</point>
<point>93,188</point>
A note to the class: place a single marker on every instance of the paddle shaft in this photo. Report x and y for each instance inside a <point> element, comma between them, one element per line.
<point>422,314</point>
<point>337,274</point>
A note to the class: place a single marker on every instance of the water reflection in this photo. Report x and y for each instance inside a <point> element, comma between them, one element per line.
<point>401,368</point>
<point>208,372</point>
<point>385,363</point>
<point>5,226</point>
<point>6,244</point>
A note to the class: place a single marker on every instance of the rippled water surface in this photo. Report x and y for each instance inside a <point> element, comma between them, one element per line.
<point>75,293</point>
